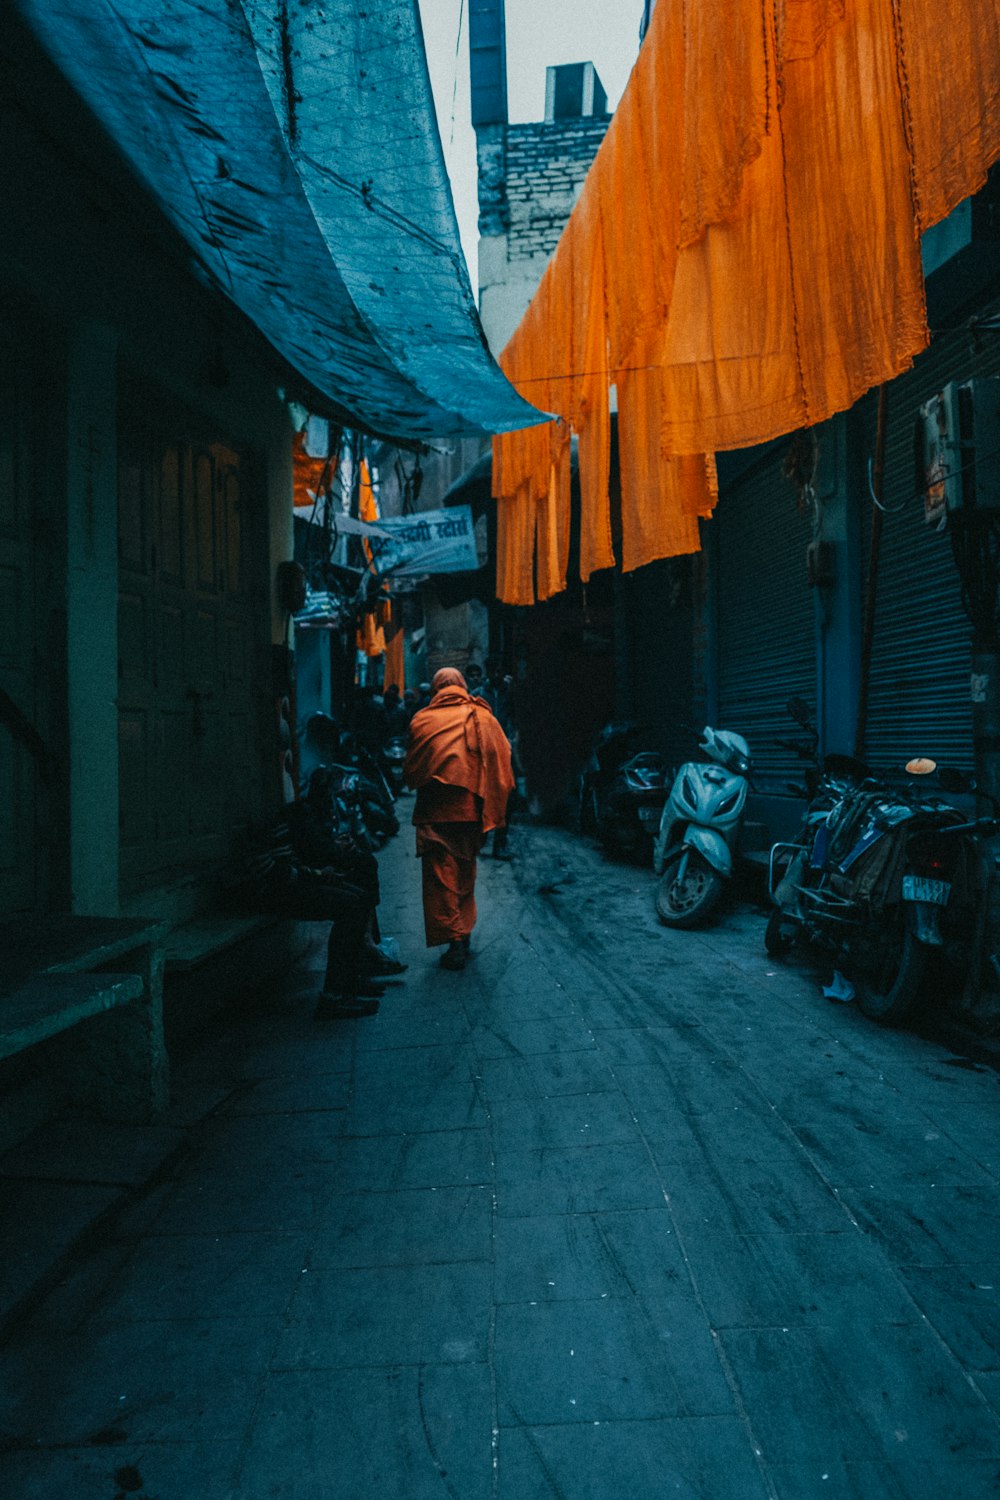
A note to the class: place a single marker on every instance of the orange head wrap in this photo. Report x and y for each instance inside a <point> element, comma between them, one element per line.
<point>447,677</point>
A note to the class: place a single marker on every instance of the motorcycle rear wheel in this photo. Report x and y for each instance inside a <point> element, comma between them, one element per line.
<point>687,902</point>
<point>889,985</point>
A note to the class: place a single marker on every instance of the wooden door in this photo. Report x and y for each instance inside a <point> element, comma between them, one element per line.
<point>190,701</point>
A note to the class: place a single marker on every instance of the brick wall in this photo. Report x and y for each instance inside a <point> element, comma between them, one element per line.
<point>546,164</point>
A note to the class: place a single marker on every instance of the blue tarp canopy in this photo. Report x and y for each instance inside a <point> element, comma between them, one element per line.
<point>295,147</point>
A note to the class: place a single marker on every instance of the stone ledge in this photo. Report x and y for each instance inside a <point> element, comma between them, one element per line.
<point>50,1003</point>
<point>196,942</point>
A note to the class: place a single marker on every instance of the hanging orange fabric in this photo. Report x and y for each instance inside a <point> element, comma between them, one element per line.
<point>803,24</point>
<point>371,637</point>
<point>395,658</point>
<point>307,473</point>
<point>758,201</point>
<point>723,125</point>
<point>949,70</point>
<point>593,417</point>
<point>662,496</point>
<point>552,521</point>
<point>515,548</point>
<point>813,292</point>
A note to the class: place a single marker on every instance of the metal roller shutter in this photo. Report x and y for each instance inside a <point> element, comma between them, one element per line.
<point>919,698</point>
<point>766,616</point>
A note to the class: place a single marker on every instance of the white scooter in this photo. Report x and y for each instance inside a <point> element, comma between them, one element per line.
<point>699,829</point>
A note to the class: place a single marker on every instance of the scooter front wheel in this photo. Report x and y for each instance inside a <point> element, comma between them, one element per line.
<point>689,889</point>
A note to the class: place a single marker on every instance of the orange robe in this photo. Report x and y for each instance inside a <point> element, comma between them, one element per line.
<point>459,763</point>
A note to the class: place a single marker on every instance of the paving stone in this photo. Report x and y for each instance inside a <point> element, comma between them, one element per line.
<point>412,1109</point>
<point>963,1305</point>
<point>279,1143</point>
<point>643,1046</point>
<point>577,1179</point>
<point>896,1144</point>
<point>895,1480</point>
<point>931,1226</point>
<point>206,1276</point>
<point>279,1096</point>
<point>419,1226</point>
<point>391,1315</point>
<point>161,1470</point>
<point>550,1075</point>
<point>737,1196</point>
<point>796,1279</point>
<point>407,1067</point>
<point>388,1032</point>
<point>39,1221</point>
<point>584,1361</point>
<point>214,1201</point>
<point>185,1381</point>
<point>561,1257</point>
<point>709,1458</point>
<point>444,1158</point>
<point>88,1151</point>
<point>423,1433</point>
<point>863,1392</point>
<point>532,1124</point>
<point>524,1038</point>
<point>81,1290</point>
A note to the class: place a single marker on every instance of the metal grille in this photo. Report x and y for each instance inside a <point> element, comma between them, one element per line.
<point>766,617</point>
<point>919,703</point>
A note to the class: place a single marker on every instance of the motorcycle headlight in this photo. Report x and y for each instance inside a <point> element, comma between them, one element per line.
<point>730,803</point>
<point>687,791</point>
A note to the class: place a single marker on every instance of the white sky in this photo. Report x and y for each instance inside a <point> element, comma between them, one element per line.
<point>540,33</point>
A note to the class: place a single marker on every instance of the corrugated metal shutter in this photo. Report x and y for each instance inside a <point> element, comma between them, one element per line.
<point>919,697</point>
<point>766,616</point>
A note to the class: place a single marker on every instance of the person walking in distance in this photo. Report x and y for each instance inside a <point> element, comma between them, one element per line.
<point>459,764</point>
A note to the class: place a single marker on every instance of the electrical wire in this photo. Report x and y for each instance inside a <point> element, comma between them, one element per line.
<point>454,88</point>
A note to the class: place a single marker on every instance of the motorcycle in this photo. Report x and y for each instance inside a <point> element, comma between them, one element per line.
<point>391,759</point>
<point>827,783</point>
<point>699,829</point>
<point>884,879</point>
<point>622,792</point>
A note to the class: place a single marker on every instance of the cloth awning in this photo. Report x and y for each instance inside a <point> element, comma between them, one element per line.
<point>295,148</point>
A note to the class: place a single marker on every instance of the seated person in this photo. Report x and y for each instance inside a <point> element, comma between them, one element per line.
<point>313,822</point>
<point>282,875</point>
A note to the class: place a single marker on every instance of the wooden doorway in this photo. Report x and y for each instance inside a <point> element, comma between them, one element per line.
<point>193,655</point>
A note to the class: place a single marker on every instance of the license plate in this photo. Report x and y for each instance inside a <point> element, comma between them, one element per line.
<point>920,888</point>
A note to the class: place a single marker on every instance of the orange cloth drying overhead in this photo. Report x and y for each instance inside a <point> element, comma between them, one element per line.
<point>395,657</point>
<point>456,740</point>
<point>307,473</point>
<point>744,259</point>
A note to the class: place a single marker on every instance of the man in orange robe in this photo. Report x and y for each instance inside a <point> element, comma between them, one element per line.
<point>459,763</point>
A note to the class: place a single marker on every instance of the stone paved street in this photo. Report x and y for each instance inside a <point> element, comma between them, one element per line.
<point>615,1213</point>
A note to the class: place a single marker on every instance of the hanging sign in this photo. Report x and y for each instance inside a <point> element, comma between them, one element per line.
<point>430,541</point>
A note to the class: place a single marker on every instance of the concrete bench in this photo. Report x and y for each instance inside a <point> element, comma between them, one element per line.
<point>91,990</point>
<point>192,945</point>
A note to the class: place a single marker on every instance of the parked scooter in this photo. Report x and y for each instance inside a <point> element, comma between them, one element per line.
<point>699,829</point>
<point>883,879</point>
